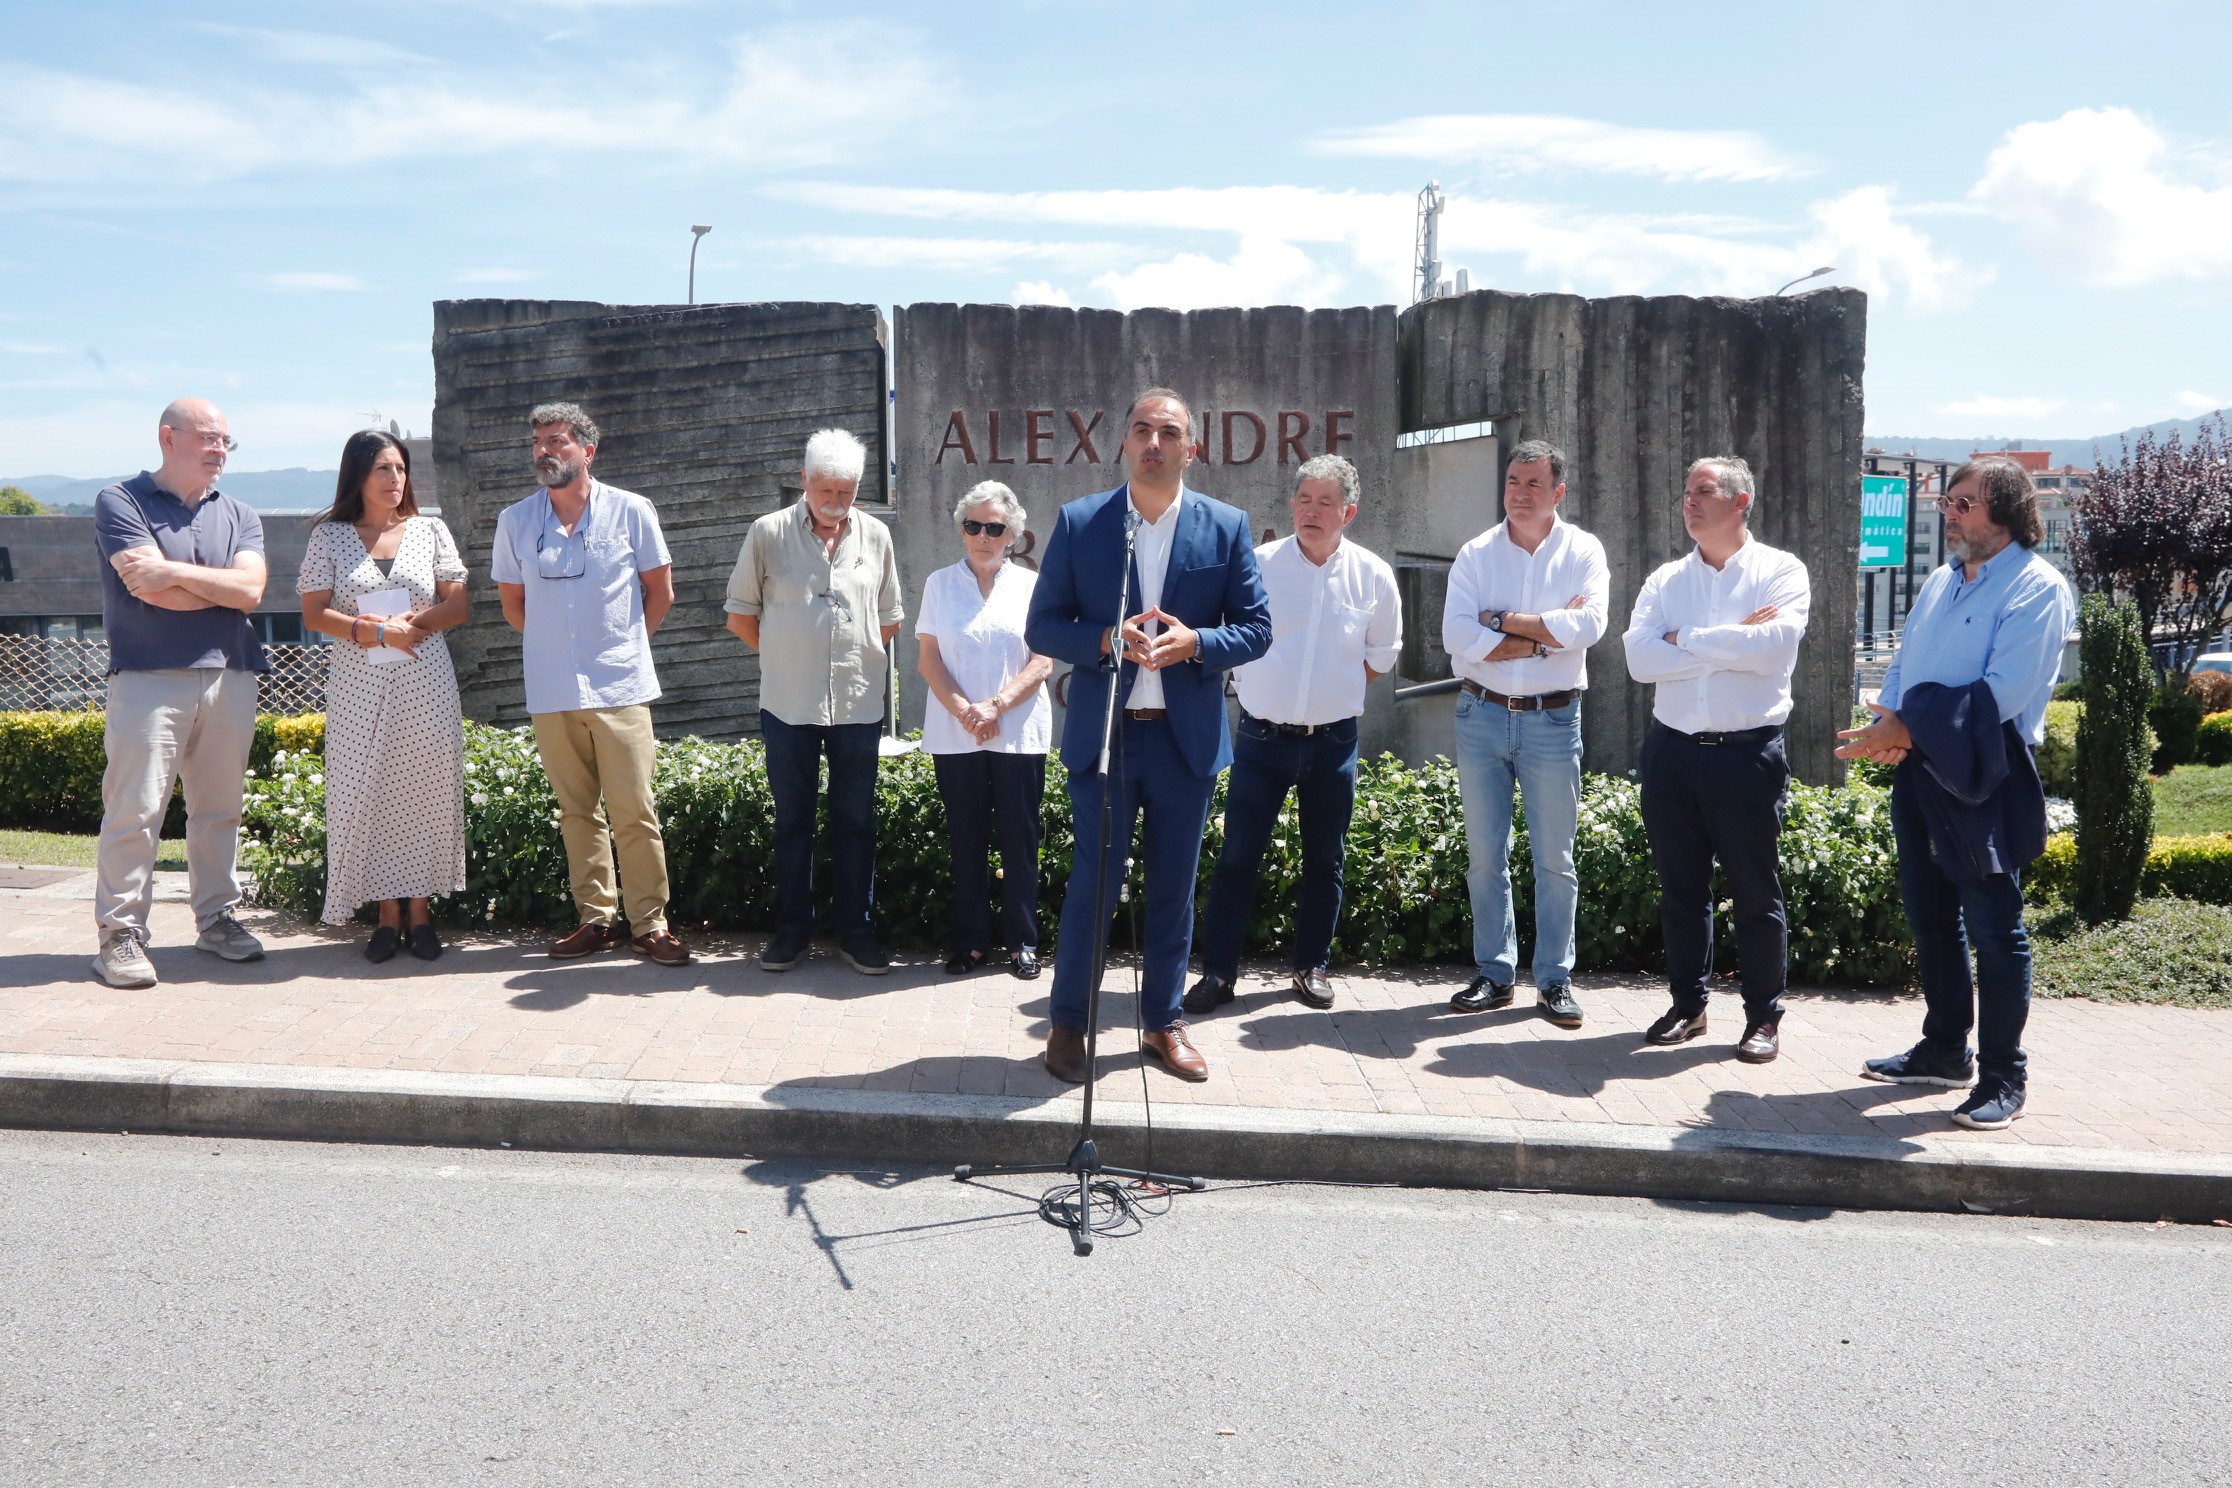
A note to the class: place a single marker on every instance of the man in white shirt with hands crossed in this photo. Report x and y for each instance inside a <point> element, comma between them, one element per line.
<point>1718,632</point>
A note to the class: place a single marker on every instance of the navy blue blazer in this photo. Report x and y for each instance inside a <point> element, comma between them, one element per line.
<point>1213,585</point>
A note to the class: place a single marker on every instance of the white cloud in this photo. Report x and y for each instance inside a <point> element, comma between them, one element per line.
<point>1526,143</point>
<point>1266,271</point>
<point>2191,403</point>
<point>311,48</point>
<point>1985,406</point>
<point>309,283</point>
<point>30,348</point>
<point>2097,192</point>
<point>1039,292</point>
<point>766,107</point>
<point>1872,250</point>
<point>494,276</point>
<point>963,255</point>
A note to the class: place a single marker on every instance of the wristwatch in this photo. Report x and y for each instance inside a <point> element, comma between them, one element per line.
<point>1495,622</point>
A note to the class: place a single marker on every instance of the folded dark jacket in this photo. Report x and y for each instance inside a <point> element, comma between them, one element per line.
<point>1973,776</point>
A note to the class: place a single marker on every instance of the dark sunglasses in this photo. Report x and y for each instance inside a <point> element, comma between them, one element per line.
<point>972,526</point>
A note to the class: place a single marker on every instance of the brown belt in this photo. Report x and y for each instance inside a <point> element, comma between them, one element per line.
<point>1538,703</point>
<point>1146,715</point>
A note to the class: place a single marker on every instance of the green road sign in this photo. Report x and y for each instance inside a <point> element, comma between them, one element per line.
<point>1883,521</point>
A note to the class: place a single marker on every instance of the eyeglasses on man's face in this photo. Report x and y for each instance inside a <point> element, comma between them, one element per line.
<point>975,528</point>
<point>1958,505</point>
<point>208,439</point>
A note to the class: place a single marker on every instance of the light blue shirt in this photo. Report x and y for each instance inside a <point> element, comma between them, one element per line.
<point>2008,626</point>
<point>584,645</point>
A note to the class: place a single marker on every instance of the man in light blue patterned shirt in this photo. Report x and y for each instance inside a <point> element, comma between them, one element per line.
<point>2000,614</point>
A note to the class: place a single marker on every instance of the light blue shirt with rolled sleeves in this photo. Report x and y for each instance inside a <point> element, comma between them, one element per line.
<point>584,645</point>
<point>2007,626</point>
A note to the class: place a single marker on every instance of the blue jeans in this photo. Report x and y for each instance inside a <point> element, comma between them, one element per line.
<point>1154,781</point>
<point>794,756</point>
<point>1996,1001</point>
<point>1320,769</point>
<point>1540,753</point>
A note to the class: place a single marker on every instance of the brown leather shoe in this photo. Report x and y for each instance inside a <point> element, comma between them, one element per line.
<point>1065,1054</point>
<point>662,947</point>
<point>586,941</point>
<point>1315,987</point>
<point>1762,1042</point>
<point>1176,1051</point>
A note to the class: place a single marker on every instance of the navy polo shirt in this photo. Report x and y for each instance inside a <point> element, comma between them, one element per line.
<point>144,638</point>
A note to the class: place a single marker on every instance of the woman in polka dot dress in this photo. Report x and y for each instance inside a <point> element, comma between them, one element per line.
<point>395,736</point>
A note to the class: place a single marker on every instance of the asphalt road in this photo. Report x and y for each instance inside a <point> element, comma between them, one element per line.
<point>178,1311</point>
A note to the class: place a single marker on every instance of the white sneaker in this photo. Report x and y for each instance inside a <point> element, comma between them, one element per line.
<point>123,961</point>
<point>226,938</point>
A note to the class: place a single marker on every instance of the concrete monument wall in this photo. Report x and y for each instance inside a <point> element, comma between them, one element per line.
<point>1035,397</point>
<point>1634,389</point>
<point>703,409</point>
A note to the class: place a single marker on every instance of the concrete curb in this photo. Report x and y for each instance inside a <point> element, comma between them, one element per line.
<point>704,1120</point>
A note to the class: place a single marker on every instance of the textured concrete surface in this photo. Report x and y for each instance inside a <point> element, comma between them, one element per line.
<point>193,1312</point>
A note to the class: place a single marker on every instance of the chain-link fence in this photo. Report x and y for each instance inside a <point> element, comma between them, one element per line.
<point>39,675</point>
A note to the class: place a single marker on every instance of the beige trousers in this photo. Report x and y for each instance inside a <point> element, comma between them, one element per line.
<point>190,725</point>
<point>590,753</point>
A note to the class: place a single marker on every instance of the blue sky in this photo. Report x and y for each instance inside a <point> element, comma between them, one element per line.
<point>257,203</point>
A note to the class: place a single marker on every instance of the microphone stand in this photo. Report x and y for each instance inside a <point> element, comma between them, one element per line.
<point>1084,1160</point>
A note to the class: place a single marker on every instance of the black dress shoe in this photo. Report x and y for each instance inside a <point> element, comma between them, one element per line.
<point>1762,1042</point>
<point>425,944</point>
<point>863,953</point>
<point>1482,996</point>
<point>786,950</point>
<point>964,962</point>
<point>1207,995</point>
<point>1023,964</point>
<point>1557,1004</point>
<point>383,944</point>
<point>1676,1027</point>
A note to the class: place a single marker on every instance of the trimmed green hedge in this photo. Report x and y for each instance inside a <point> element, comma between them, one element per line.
<point>2212,743</point>
<point>1405,879</point>
<point>51,766</point>
<point>2197,868</point>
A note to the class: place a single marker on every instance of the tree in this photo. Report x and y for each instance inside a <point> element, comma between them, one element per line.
<point>17,502</point>
<point>2115,802</point>
<point>2157,527</point>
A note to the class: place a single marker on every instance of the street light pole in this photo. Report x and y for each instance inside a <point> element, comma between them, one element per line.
<point>1802,278</point>
<point>696,233</point>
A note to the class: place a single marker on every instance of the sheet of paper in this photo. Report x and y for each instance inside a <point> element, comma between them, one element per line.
<point>381,603</point>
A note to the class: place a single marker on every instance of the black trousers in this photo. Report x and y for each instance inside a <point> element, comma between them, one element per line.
<point>1707,801</point>
<point>990,795</point>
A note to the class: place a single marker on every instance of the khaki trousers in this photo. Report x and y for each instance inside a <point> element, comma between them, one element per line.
<point>190,724</point>
<point>590,753</point>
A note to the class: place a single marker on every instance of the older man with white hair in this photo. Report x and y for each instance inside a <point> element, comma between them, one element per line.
<point>816,592</point>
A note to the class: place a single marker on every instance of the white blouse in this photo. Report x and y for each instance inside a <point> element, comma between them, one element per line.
<point>980,640</point>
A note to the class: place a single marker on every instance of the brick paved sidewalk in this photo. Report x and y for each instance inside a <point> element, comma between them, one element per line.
<point>2104,1075</point>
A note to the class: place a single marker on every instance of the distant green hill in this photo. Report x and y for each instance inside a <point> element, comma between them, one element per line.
<point>2080,452</point>
<point>267,489</point>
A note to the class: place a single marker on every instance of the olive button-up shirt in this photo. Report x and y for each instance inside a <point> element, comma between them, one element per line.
<point>821,614</point>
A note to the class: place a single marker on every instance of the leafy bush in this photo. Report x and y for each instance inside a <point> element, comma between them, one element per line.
<point>51,766</point>
<point>2170,950</point>
<point>2212,742</point>
<point>1404,882</point>
<point>2212,689</point>
<point>2057,755</point>
<point>2196,868</point>
<point>2175,716</point>
<point>2115,807</point>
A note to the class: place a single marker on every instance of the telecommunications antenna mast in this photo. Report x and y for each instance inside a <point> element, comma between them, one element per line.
<point>1428,270</point>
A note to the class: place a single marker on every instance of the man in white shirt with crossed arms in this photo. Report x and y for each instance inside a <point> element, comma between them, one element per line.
<point>1336,624</point>
<point>1519,643</point>
<point>1718,633</point>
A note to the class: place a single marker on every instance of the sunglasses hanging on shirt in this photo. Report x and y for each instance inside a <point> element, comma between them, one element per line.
<point>562,559</point>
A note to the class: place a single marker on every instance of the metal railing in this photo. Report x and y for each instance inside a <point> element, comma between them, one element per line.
<point>42,675</point>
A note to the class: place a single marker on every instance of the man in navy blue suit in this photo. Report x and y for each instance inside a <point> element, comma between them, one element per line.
<point>1197,610</point>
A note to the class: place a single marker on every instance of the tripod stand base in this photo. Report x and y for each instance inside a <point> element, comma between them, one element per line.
<point>1084,1162</point>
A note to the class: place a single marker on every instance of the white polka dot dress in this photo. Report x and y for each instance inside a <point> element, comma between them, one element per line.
<point>395,736</point>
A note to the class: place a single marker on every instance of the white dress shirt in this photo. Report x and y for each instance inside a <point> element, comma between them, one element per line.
<point>980,640</point>
<point>1719,675</point>
<point>1328,622</point>
<point>1151,556</point>
<point>1494,573</point>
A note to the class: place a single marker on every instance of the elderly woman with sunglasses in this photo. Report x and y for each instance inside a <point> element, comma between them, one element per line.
<point>988,727</point>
